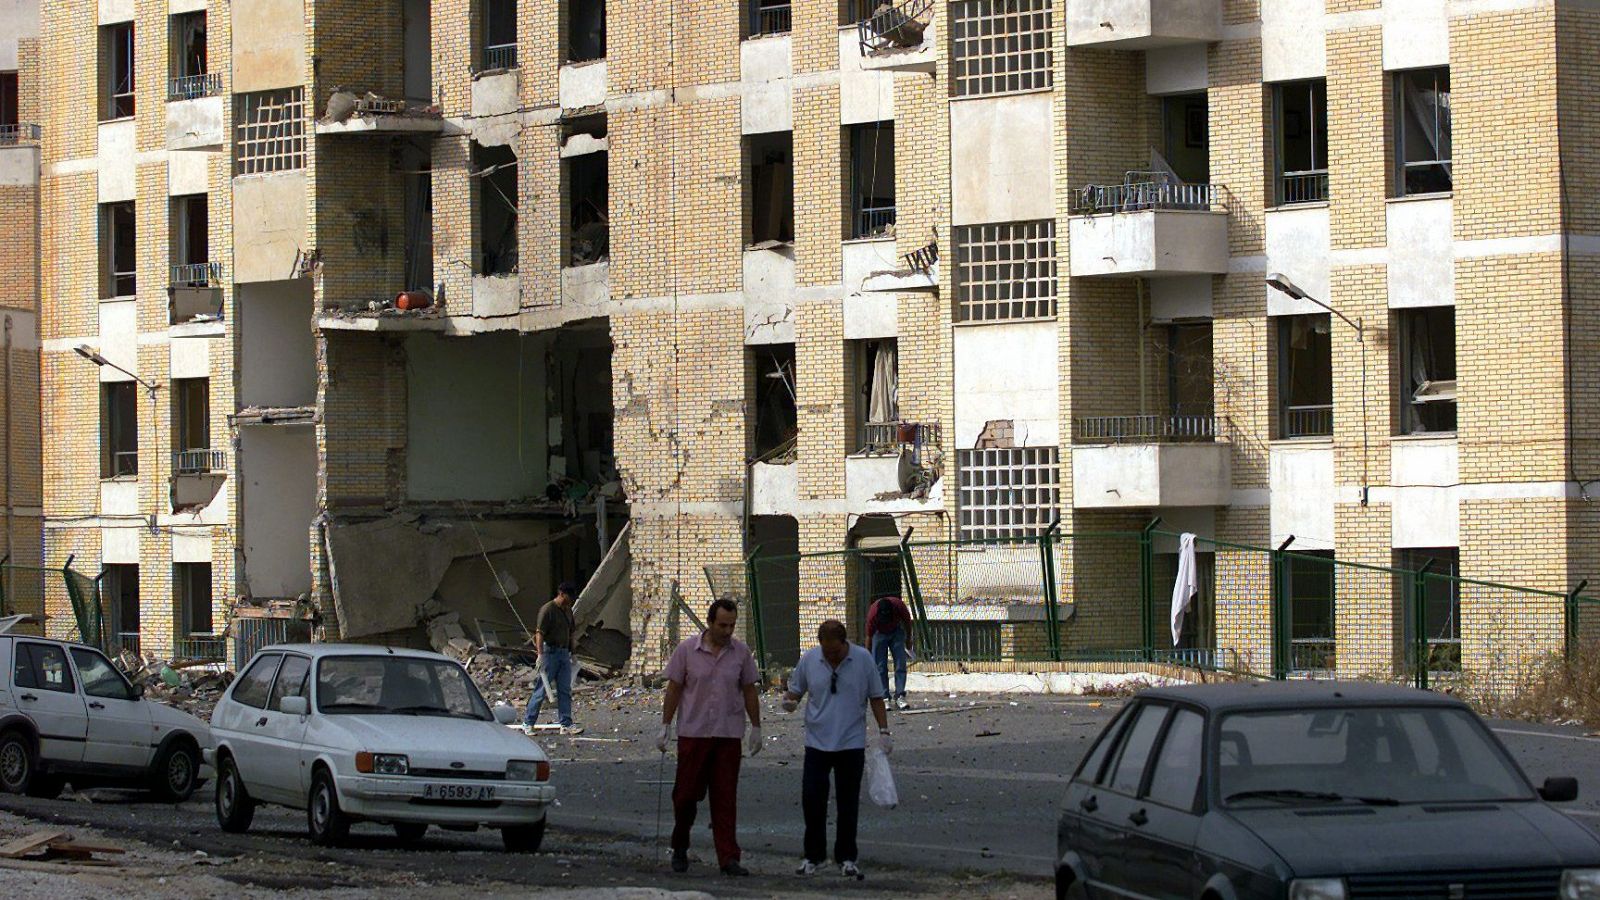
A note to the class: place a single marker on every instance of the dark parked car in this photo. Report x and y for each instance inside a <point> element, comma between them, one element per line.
<point>1313,791</point>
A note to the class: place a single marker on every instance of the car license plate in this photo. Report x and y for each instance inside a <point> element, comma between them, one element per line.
<point>469,792</point>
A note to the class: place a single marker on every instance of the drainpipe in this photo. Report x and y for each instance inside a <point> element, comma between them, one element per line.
<point>11,549</point>
<point>1144,404</point>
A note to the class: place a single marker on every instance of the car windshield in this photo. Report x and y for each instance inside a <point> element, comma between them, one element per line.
<point>397,685</point>
<point>1374,755</point>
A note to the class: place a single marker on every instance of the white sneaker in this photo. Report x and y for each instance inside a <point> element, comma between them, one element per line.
<point>806,867</point>
<point>528,730</point>
<point>900,703</point>
<point>848,869</point>
<point>572,729</point>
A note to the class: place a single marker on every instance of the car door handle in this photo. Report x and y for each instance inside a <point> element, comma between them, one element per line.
<point>29,697</point>
<point>1089,804</point>
<point>1138,817</point>
<point>261,722</point>
<point>97,705</point>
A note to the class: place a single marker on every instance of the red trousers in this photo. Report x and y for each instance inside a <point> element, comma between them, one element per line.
<point>708,764</point>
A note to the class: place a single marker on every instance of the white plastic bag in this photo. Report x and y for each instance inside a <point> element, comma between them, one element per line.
<point>880,781</point>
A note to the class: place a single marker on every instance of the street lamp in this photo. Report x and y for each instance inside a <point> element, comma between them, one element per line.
<point>93,355</point>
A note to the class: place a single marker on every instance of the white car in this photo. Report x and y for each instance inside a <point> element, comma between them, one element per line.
<point>67,714</point>
<point>359,733</point>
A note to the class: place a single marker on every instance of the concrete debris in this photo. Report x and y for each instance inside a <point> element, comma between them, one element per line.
<point>344,104</point>
<point>896,27</point>
<point>193,686</point>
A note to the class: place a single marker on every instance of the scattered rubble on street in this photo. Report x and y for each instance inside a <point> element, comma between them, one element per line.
<point>190,685</point>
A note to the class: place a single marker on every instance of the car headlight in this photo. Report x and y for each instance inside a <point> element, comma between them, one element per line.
<point>382,763</point>
<point>1580,884</point>
<point>527,770</point>
<point>1316,889</point>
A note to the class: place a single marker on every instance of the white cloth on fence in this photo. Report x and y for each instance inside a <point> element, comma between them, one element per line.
<point>1186,586</point>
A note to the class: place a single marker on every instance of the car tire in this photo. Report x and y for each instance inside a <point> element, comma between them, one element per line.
<point>235,809</point>
<point>523,838</point>
<point>46,787</point>
<point>19,764</point>
<point>1069,888</point>
<point>176,772</point>
<point>325,821</point>
<point>410,832</point>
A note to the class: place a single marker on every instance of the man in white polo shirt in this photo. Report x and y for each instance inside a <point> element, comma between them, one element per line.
<point>842,682</point>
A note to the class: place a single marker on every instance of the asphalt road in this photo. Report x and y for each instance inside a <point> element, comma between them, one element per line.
<point>980,782</point>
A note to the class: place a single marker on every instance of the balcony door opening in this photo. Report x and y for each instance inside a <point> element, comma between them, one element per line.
<point>1185,141</point>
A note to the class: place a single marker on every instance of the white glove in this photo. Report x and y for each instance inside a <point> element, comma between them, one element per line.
<point>885,743</point>
<point>662,737</point>
<point>752,741</point>
<point>790,704</point>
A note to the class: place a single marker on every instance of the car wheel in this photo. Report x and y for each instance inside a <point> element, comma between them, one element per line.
<point>410,832</point>
<point>235,809</point>
<point>176,772</point>
<point>17,762</point>
<point>1069,888</point>
<point>326,822</point>
<point>523,838</point>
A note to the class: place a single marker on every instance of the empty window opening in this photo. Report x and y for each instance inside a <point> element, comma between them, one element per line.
<point>10,112</point>
<point>189,76</point>
<point>872,179</point>
<point>769,17</point>
<point>769,187</point>
<point>191,242</point>
<point>495,176</point>
<point>1005,271</point>
<point>1308,576</point>
<point>1427,355</point>
<point>269,133</point>
<point>1198,630</point>
<point>116,59</point>
<point>191,425</point>
<point>586,30</point>
<point>586,191</point>
<point>119,586</point>
<point>119,429</point>
<point>772,392</point>
<point>777,575</point>
<point>191,585</point>
<point>1305,376</point>
<point>1000,46</point>
<point>118,250</point>
<point>1432,628</point>
<point>1422,131</point>
<point>499,34</point>
<point>1190,396</point>
<point>1185,142</point>
<point>414,165</point>
<point>876,365</point>
<point>1007,491</point>
<point>417,40</point>
<point>1300,132</point>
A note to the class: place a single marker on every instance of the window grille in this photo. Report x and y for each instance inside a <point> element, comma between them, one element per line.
<point>270,132</point>
<point>1007,492</point>
<point>1000,46</point>
<point>1005,271</point>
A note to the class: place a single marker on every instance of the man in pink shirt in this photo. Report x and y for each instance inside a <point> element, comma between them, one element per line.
<point>711,688</point>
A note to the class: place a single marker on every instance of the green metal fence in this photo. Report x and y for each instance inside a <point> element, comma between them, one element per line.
<point>31,590</point>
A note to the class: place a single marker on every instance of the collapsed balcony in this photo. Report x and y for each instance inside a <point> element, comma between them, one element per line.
<point>897,37</point>
<point>1150,225</point>
<point>369,113</point>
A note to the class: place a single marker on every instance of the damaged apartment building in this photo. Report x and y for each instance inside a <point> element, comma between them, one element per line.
<point>414,308</point>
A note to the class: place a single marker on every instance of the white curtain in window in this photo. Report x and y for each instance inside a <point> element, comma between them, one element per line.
<point>883,396</point>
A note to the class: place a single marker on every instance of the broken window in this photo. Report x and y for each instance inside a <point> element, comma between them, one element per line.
<point>1422,131</point>
<point>499,34</point>
<point>775,426</point>
<point>191,242</point>
<point>769,17</point>
<point>1300,132</point>
<point>495,175</point>
<point>1007,491</point>
<point>1189,381</point>
<point>1000,47</point>
<point>769,187</point>
<point>586,30</point>
<point>1305,376</point>
<point>119,586</point>
<point>1427,355</point>
<point>191,583</point>
<point>10,112</point>
<point>116,58</point>
<point>416,166</point>
<point>1434,629</point>
<point>1005,271</point>
<point>872,179</point>
<point>118,250</point>
<point>119,429</point>
<point>586,191</point>
<point>189,76</point>
<point>1185,141</point>
<point>877,401</point>
<point>1308,576</point>
<point>191,426</point>
<point>269,132</point>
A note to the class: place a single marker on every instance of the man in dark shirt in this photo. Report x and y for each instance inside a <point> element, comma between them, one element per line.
<point>889,631</point>
<point>552,637</point>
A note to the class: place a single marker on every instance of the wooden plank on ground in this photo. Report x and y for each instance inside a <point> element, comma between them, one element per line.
<point>22,846</point>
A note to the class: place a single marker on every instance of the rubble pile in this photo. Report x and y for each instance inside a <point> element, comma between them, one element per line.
<point>191,686</point>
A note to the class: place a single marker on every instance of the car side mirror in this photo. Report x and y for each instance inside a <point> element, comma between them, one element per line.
<point>293,706</point>
<point>138,692</point>
<point>1559,789</point>
<point>505,715</point>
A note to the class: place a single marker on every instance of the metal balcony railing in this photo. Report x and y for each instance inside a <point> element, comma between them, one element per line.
<point>770,18</point>
<point>1311,655</point>
<point>25,134</point>
<point>1311,420</point>
<point>1138,196</point>
<point>209,647</point>
<point>193,87</point>
<point>124,640</point>
<point>1310,186</point>
<point>204,274</point>
<point>499,56</point>
<point>198,462</point>
<point>1146,429</point>
<point>884,437</point>
<point>922,258</point>
<point>896,28</point>
<point>872,221</point>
